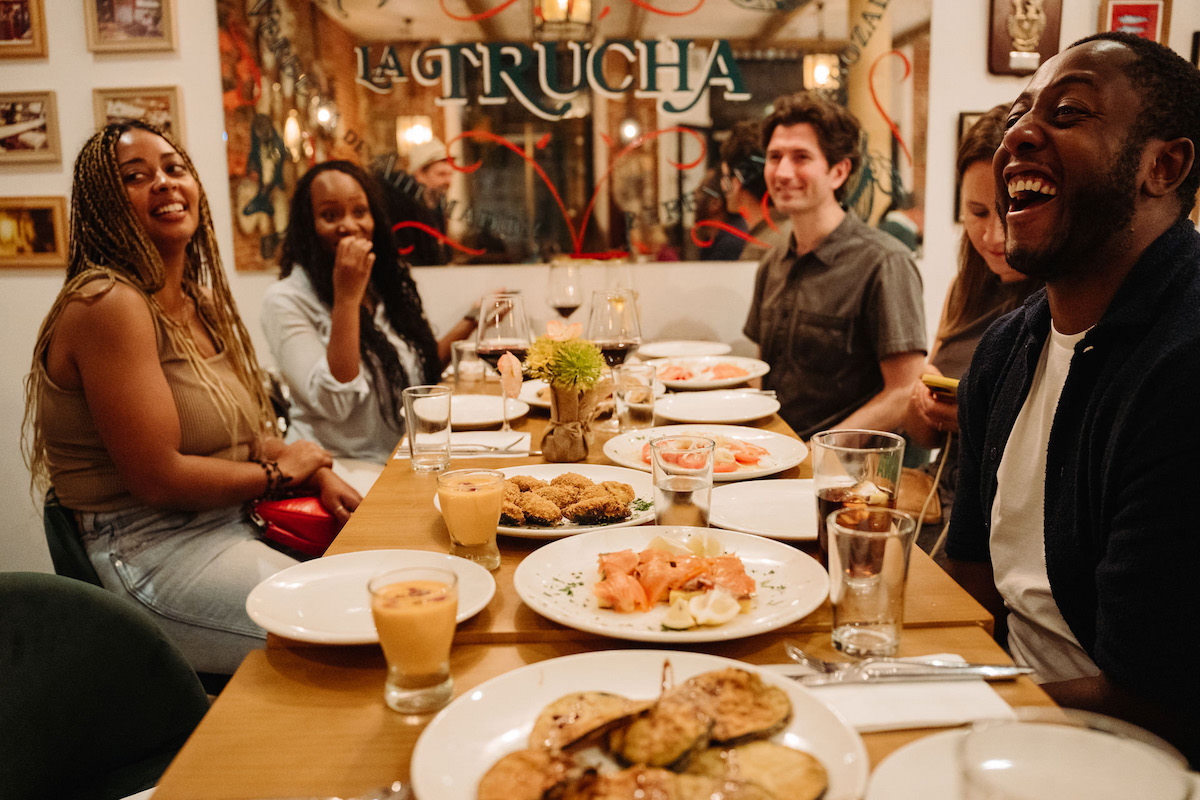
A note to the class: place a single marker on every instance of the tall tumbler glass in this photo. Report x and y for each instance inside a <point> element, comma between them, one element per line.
<point>853,468</point>
<point>415,611</point>
<point>682,468</point>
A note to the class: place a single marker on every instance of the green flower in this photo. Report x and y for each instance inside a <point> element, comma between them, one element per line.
<point>572,363</point>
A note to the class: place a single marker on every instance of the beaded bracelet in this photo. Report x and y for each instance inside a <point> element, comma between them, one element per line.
<point>277,481</point>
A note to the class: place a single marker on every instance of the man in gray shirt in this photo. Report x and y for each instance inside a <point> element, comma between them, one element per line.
<point>838,312</point>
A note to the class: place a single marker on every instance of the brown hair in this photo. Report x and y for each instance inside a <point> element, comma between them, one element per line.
<point>109,244</point>
<point>976,291</point>
<point>837,129</point>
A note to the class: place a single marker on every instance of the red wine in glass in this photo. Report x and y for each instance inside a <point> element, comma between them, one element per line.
<point>491,351</point>
<point>565,310</point>
<point>616,352</point>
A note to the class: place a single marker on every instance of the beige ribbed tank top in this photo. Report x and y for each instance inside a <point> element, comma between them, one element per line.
<point>81,471</point>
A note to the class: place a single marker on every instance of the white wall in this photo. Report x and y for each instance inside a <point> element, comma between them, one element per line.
<point>677,300</point>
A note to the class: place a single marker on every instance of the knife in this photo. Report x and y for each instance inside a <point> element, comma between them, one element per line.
<point>903,673</point>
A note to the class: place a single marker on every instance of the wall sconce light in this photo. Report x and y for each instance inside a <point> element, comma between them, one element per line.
<point>325,114</point>
<point>292,138</point>
<point>630,130</point>
<point>562,19</point>
<point>412,130</point>
<point>822,71</point>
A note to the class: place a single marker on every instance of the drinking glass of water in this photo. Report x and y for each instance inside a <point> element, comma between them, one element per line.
<point>682,468</point>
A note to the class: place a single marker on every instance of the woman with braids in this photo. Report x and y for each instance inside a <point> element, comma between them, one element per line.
<point>145,407</point>
<point>984,289</point>
<point>345,322</point>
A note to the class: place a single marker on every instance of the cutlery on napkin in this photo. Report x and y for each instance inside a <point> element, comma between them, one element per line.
<point>876,705</point>
<point>481,444</point>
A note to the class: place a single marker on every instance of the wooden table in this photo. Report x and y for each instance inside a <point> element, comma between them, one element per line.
<point>302,720</point>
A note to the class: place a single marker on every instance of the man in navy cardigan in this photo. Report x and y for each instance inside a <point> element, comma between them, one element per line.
<point>1074,521</point>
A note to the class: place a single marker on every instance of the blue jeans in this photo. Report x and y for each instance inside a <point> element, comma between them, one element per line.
<point>192,570</point>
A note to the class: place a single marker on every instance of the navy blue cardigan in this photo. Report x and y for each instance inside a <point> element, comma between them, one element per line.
<point>1122,528</point>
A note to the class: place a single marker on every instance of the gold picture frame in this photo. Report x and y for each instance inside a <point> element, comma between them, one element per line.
<point>23,30</point>
<point>126,26</point>
<point>158,105</point>
<point>28,128</point>
<point>33,232</point>
<point>1150,19</point>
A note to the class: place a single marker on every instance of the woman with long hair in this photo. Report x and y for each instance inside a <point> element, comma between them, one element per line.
<point>984,289</point>
<point>145,407</point>
<point>345,321</point>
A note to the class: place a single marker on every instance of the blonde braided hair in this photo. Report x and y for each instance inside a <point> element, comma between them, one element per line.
<point>109,244</point>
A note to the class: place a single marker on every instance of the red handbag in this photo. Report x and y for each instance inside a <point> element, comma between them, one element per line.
<point>300,523</point>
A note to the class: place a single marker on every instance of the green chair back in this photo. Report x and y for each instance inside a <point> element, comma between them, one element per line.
<point>94,700</point>
<point>66,550</point>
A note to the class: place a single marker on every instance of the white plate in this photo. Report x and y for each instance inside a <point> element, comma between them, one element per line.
<point>921,770</point>
<point>530,388</point>
<point>700,366</point>
<point>326,601</point>
<point>729,406</point>
<point>496,717</point>
<point>482,410</point>
<point>783,452</point>
<point>782,509</point>
<point>681,348</point>
<point>643,487</point>
<point>556,581</point>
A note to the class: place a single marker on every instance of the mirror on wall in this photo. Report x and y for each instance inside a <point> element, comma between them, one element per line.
<point>586,128</point>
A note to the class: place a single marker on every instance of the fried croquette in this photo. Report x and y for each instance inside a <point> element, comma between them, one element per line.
<point>538,510</point>
<point>597,509</point>
<point>511,490</point>
<point>561,495</point>
<point>511,513</point>
<point>572,479</point>
<point>525,483</point>
<point>622,491</point>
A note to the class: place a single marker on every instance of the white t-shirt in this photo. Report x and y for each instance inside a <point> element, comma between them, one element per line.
<point>1038,636</point>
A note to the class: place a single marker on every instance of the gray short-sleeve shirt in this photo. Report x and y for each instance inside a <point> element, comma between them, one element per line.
<point>824,320</point>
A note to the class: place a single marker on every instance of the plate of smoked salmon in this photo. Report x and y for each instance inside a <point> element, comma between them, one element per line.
<point>741,453</point>
<point>671,583</point>
<point>708,372</point>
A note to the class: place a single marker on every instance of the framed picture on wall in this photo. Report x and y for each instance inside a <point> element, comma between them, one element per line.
<point>28,128</point>
<point>965,120</point>
<point>33,232</point>
<point>129,25</point>
<point>22,29</point>
<point>158,105</point>
<point>1149,19</point>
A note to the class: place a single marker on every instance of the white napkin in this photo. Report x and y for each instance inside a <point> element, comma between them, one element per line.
<point>898,706</point>
<point>467,439</point>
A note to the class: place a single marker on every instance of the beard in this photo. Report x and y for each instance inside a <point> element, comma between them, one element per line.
<point>1098,216</point>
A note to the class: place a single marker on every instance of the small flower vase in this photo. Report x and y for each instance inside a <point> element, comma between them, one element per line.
<point>571,411</point>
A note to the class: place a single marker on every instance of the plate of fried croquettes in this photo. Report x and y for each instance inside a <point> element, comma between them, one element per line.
<point>549,501</point>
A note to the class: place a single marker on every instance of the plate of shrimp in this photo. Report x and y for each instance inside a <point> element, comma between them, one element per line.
<point>742,452</point>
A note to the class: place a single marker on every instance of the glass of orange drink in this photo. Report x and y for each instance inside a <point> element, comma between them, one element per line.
<point>415,611</point>
<point>470,500</point>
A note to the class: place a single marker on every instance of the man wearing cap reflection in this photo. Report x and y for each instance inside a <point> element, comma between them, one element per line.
<point>1080,433</point>
<point>418,195</point>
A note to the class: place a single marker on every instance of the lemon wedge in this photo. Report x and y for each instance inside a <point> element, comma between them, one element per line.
<point>678,617</point>
<point>714,608</point>
<point>669,545</point>
<point>705,543</point>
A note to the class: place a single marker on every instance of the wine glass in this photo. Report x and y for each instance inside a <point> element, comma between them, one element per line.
<point>564,290</point>
<point>613,325</point>
<point>503,328</point>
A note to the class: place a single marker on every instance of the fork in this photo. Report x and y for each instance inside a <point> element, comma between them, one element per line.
<point>896,669</point>
<point>485,448</point>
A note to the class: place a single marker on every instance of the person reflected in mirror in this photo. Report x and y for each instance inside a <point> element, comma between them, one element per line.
<point>146,409</point>
<point>415,201</point>
<point>1078,411</point>
<point>837,309</point>
<point>718,244</point>
<point>744,187</point>
<point>345,322</point>
<point>984,289</point>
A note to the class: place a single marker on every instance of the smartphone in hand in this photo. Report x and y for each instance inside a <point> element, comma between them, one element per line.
<point>943,387</point>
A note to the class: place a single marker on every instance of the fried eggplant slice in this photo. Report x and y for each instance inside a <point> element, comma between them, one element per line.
<point>574,717</point>
<point>782,771</point>
<point>525,775</point>
<point>646,783</point>
<point>742,707</point>
<point>666,735</point>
